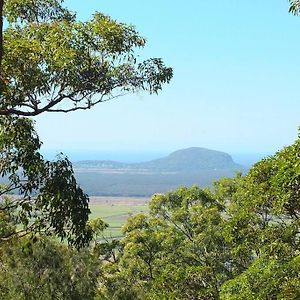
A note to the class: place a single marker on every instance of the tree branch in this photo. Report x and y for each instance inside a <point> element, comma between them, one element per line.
<point>48,108</point>
<point>35,112</point>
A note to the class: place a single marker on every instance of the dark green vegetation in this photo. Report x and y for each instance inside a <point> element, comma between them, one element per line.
<point>237,240</point>
<point>50,62</point>
<point>184,167</point>
<point>45,270</point>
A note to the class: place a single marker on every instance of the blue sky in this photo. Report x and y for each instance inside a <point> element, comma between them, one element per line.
<point>235,86</point>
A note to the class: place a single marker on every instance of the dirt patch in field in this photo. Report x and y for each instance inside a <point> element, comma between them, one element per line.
<point>119,200</point>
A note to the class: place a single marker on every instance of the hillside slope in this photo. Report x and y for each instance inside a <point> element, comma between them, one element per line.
<point>190,159</point>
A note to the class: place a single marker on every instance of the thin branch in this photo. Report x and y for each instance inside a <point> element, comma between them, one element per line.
<point>20,233</point>
<point>87,106</point>
<point>49,107</point>
<point>7,189</point>
<point>35,112</point>
<point>15,204</point>
<point>168,217</point>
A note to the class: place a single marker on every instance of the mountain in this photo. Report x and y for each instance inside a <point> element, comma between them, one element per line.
<point>184,167</point>
<point>185,160</point>
<point>192,159</point>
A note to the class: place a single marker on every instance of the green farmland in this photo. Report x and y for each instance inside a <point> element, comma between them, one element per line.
<point>115,211</point>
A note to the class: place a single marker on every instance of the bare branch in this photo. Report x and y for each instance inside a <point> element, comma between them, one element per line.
<point>48,108</point>
<point>88,105</point>
<point>35,112</point>
<point>8,189</point>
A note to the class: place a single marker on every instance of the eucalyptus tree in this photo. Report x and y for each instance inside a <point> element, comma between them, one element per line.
<point>176,252</point>
<point>51,62</point>
<point>262,229</point>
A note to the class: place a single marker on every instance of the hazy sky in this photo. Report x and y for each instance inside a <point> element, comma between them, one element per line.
<point>235,86</point>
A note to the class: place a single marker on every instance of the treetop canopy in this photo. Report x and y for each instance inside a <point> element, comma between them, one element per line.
<point>52,62</point>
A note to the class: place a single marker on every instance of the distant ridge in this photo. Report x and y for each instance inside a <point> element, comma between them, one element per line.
<point>193,159</point>
<point>186,167</point>
<point>184,160</point>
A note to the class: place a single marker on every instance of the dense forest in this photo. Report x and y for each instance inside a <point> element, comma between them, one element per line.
<point>238,239</point>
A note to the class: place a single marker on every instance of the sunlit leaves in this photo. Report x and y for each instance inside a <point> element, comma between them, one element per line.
<point>177,252</point>
<point>52,58</point>
<point>35,10</point>
<point>266,278</point>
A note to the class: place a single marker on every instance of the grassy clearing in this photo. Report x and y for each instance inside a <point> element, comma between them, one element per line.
<point>115,212</point>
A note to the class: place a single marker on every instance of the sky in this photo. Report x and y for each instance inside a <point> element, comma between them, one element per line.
<point>235,86</point>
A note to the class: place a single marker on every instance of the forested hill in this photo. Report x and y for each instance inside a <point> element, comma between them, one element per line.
<point>185,160</point>
<point>192,159</point>
<point>185,167</point>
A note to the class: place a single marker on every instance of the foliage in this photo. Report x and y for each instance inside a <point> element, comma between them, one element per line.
<point>267,278</point>
<point>177,252</point>
<point>51,199</point>
<point>43,269</point>
<point>52,62</point>
<point>263,229</point>
<point>294,6</point>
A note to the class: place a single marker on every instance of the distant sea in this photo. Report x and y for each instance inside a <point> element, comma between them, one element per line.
<point>131,156</point>
<point>248,159</point>
<point>115,155</point>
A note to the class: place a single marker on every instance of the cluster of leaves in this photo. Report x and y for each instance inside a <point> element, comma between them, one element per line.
<point>43,269</point>
<point>50,199</point>
<point>294,7</point>
<point>175,252</point>
<point>263,229</point>
<point>49,58</point>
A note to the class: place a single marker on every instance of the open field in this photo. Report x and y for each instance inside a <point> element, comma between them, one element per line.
<point>115,211</point>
